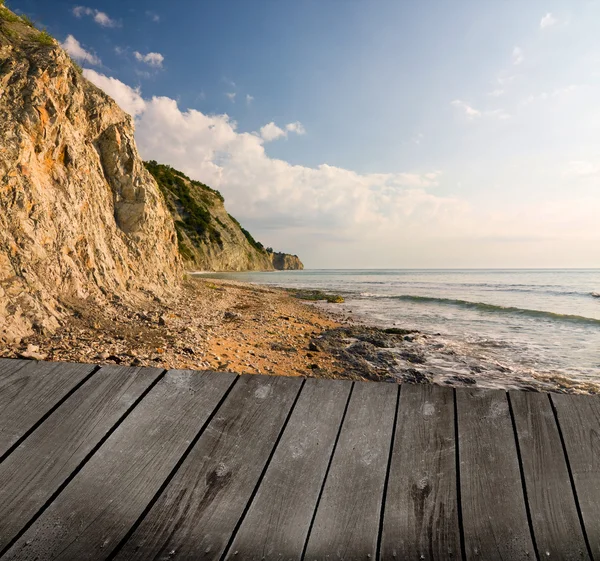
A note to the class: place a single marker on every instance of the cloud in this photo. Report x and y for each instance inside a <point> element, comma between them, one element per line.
<point>249,99</point>
<point>473,113</point>
<point>272,132</point>
<point>296,127</point>
<point>548,21</point>
<point>231,96</point>
<point>470,112</point>
<point>100,18</point>
<point>76,51</point>
<point>152,59</point>
<point>127,98</point>
<point>517,56</point>
<point>496,93</point>
<point>546,96</point>
<point>333,216</point>
<point>265,190</point>
<point>153,16</point>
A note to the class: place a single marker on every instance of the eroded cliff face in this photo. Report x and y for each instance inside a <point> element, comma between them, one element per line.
<point>209,238</point>
<point>286,262</point>
<point>79,214</point>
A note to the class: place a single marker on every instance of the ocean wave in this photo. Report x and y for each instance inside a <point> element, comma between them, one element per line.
<point>493,308</point>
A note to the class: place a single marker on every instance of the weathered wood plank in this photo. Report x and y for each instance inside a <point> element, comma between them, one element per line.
<point>10,365</point>
<point>421,511</point>
<point>196,514</point>
<point>554,517</point>
<point>102,502</point>
<point>346,524</point>
<point>30,392</point>
<point>277,523</point>
<point>579,419</point>
<point>41,464</point>
<point>493,505</point>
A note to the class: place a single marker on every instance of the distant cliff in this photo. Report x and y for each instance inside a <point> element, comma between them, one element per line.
<point>208,237</point>
<point>285,261</point>
<point>80,217</point>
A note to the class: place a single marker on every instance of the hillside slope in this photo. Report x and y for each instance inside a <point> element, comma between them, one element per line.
<point>80,216</point>
<point>209,238</point>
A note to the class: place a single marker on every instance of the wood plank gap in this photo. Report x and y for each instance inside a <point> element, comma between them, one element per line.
<point>571,478</point>
<point>337,438</point>
<point>522,472</point>
<point>387,475</point>
<point>68,480</point>
<point>461,529</point>
<point>48,413</point>
<point>262,474</point>
<point>166,482</point>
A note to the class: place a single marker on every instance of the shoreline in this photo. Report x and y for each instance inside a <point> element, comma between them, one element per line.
<point>227,325</point>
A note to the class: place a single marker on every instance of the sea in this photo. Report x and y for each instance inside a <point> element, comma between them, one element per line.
<point>505,328</point>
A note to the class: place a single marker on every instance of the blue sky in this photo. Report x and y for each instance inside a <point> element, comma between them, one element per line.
<point>404,134</point>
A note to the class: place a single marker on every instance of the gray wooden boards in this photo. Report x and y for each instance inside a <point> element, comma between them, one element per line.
<point>493,505</point>
<point>421,511</point>
<point>45,460</point>
<point>30,391</point>
<point>277,523</point>
<point>346,524</point>
<point>556,527</point>
<point>196,514</point>
<point>579,419</point>
<point>103,501</point>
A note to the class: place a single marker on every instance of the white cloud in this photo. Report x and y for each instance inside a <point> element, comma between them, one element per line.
<point>496,93</point>
<point>271,132</point>
<point>296,127</point>
<point>470,112</point>
<point>249,99</point>
<point>547,96</point>
<point>517,56</point>
<point>231,96</point>
<point>548,21</point>
<point>333,216</point>
<point>76,51</point>
<point>127,98</point>
<point>100,18</point>
<point>473,113</point>
<point>153,16</point>
<point>262,189</point>
<point>152,59</point>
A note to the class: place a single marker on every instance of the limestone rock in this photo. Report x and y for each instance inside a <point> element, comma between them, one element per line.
<point>79,214</point>
<point>286,262</point>
<point>209,238</point>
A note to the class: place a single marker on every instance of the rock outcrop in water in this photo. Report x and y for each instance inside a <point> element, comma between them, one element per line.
<point>209,238</point>
<point>79,214</point>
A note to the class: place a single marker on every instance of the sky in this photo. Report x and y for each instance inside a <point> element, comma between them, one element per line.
<point>367,134</point>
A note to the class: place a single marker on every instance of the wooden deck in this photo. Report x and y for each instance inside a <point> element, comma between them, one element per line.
<point>128,463</point>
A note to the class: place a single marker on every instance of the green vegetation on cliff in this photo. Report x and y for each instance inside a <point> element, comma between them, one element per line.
<point>208,237</point>
<point>194,217</point>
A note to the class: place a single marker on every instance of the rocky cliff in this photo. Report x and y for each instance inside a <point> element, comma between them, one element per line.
<point>79,214</point>
<point>209,238</point>
<point>285,261</point>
